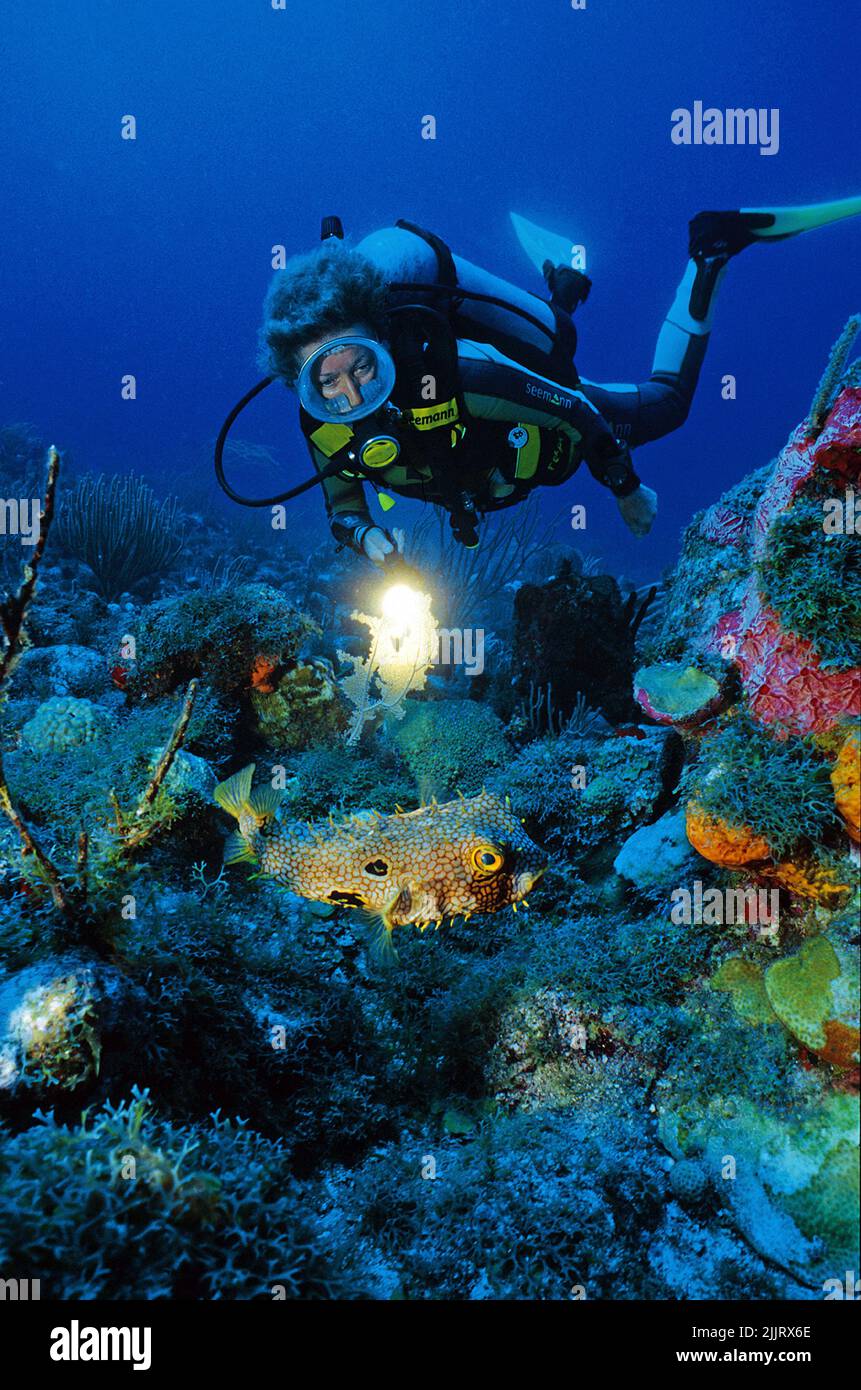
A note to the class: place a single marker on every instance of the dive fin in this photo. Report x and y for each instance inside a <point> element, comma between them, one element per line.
<point>790,221</point>
<point>234,795</point>
<point>540,245</point>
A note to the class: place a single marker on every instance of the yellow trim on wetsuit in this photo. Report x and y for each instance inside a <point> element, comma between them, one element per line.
<point>330,438</point>
<point>428,417</point>
<point>529,453</point>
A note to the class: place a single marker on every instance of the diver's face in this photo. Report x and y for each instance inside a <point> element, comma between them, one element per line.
<point>344,372</point>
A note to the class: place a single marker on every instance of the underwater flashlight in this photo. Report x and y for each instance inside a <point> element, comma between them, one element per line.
<point>402,605</point>
<point>398,571</point>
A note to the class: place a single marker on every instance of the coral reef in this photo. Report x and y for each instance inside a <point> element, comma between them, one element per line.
<point>598,1097</point>
<point>303,709</point>
<point>780,787</point>
<point>807,578</point>
<point>587,793</point>
<point>218,636</point>
<point>50,1026</point>
<point>576,633</point>
<point>788,679</point>
<point>789,1186</point>
<point>126,1205</point>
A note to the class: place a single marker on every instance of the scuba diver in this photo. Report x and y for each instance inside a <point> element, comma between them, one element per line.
<point>422,375</point>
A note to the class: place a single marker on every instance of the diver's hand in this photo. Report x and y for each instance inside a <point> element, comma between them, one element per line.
<point>377,544</point>
<point>639,510</point>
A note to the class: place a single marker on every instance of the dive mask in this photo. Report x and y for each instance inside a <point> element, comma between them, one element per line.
<point>346,379</point>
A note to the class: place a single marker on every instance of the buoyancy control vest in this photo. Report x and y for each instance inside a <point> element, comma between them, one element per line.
<point>425,414</point>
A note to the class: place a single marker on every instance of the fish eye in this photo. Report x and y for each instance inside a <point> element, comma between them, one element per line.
<point>486,859</point>
<point>378,867</point>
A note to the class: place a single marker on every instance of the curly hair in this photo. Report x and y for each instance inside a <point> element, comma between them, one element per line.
<point>325,290</point>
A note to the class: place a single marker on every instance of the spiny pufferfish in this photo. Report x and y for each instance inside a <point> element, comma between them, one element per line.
<point>465,856</point>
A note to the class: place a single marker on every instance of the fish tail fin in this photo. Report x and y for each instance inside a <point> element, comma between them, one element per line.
<point>264,802</point>
<point>234,795</point>
<point>237,849</point>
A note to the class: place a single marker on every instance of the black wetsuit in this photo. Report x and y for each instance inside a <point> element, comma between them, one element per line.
<point>522,420</point>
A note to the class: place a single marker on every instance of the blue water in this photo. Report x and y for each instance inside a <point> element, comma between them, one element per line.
<point>152,256</point>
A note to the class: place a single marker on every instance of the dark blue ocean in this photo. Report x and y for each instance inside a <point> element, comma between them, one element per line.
<point>152,256</point>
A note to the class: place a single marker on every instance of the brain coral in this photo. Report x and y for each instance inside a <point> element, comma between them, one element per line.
<point>451,746</point>
<point>63,723</point>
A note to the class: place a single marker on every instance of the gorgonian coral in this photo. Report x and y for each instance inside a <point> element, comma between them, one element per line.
<point>119,531</point>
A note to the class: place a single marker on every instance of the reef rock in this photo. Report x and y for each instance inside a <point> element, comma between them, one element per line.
<point>772,593</point>
<point>66,669</point>
<point>189,779</point>
<point>235,638</point>
<point>574,633</point>
<point>657,855</point>
<point>54,1018</point>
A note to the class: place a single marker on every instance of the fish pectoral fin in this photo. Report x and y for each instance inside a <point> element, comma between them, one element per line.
<point>400,905</point>
<point>378,927</point>
<point>237,850</point>
<point>376,936</point>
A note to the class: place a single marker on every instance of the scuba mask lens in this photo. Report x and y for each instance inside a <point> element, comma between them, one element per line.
<point>346,379</point>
